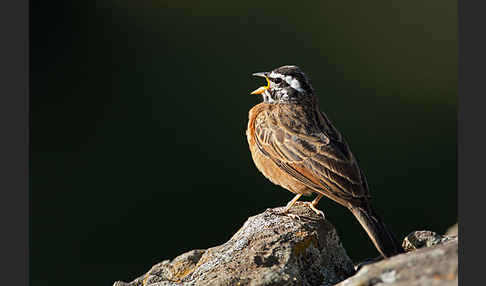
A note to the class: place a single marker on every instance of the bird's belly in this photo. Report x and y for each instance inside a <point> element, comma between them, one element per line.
<point>277,176</point>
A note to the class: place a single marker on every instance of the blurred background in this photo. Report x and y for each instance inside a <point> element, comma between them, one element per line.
<point>139,111</point>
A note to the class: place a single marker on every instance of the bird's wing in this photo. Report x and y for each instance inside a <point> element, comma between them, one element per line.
<point>321,160</point>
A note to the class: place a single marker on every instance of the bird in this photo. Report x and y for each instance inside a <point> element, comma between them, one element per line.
<point>294,145</point>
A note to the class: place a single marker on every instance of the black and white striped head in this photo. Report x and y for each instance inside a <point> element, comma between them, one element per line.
<point>285,84</point>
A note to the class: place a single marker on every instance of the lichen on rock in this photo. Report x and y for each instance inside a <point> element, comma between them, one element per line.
<point>269,249</point>
<point>302,248</point>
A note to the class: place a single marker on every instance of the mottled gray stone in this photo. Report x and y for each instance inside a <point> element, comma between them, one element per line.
<point>431,260</point>
<point>269,249</point>
<point>423,238</point>
<point>274,249</point>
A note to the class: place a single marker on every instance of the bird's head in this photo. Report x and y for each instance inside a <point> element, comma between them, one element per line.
<point>284,85</point>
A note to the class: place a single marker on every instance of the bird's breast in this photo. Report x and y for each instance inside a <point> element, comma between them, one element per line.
<point>258,115</point>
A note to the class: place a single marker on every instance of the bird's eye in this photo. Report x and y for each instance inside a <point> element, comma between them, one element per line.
<point>277,80</point>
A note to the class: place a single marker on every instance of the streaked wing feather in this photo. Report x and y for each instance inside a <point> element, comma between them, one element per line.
<point>317,161</point>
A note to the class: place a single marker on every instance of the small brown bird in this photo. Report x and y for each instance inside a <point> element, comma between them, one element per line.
<point>295,146</point>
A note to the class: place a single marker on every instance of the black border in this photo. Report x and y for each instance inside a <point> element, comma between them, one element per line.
<point>471,140</point>
<point>14,137</point>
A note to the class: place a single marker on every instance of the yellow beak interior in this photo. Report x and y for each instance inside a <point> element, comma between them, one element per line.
<point>262,89</point>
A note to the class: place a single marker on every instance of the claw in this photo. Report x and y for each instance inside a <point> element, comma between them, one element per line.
<point>313,208</point>
<point>294,216</point>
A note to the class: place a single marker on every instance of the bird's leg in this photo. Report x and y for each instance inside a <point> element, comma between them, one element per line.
<point>290,204</point>
<point>312,205</point>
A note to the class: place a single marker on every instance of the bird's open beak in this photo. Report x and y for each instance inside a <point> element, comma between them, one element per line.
<point>261,89</point>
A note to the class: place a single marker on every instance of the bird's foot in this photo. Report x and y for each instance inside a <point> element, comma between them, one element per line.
<point>285,212</point>
<point>314,209</point>
<point>293,216</point>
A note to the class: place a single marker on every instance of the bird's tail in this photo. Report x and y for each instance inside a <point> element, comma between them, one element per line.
<point>382,237</point>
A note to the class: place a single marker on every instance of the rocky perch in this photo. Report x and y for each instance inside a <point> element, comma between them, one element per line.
<point>275,249</point>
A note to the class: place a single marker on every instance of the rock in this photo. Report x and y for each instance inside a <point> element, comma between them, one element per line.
<point>269,249</point>
<point>429,265</point>
<point>453,230</point>
<point>423,238</point>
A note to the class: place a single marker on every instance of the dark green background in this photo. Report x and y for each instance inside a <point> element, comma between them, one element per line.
<point>139,110</point>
